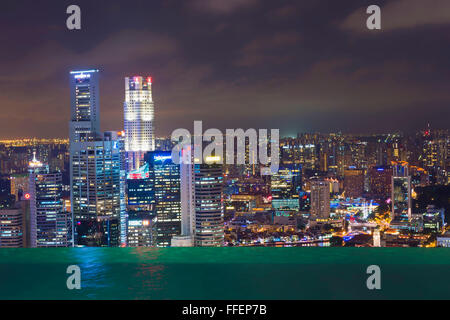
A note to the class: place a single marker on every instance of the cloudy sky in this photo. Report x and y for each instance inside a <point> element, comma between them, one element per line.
<point>295,65</point>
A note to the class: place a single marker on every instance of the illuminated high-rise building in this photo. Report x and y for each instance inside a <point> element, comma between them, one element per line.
<point>140,208</point>
<point>320,199</point>
<point>380,180</point>
<point>208,187</point>
<point>353,182</point>
<point>166,180</point>
<point>14,230</point>
<point>50,224</point>
<point>201,202</point>
<point>286,185</point>
<point>401,194</point>
<point>84,105</point>
<point>95,191</point>
<point>95,167</point>
<point>138,120</point>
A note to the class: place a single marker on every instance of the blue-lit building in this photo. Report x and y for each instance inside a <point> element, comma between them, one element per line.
<point>166,190</point>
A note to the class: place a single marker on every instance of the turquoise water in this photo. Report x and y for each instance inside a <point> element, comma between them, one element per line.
<point>225,273</point>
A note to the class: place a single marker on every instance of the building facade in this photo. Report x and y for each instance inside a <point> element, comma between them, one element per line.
<point>320,199</point>
<point>138,120</point>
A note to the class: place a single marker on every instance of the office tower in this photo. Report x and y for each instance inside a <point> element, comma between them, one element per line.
<point>434,219</point>
<point>123,183</point>
<point>167,210</point>
<point>138,120</point>
<point>14,226</point>
<point>208,184</point>
<point>380,182</point>
<point>201,202</point>
<point>95,191</point>
<point>187,196</point>
<point>320,199</point>
<point>353,182</point>
<point>50,224</point>
<point>6,198</point>
<point>140,207</point>
<point>95,167</point>
<point>285,186</point>
<point>84,105</point>
<point>141,230</point>
<point>401,194</point>
<point>19,185</point>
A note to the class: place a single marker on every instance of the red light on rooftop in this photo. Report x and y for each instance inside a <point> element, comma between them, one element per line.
<point>149,79</point>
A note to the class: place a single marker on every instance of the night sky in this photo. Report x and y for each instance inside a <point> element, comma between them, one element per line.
<point>299,66</point>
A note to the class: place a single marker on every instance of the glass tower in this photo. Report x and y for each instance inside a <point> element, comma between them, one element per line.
<point>95,167</point>
<point>50,224</point>
<point>138,119</point>
<point>166,180</point>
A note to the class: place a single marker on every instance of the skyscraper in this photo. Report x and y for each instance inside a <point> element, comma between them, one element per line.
<point>320,199</point>
<point>201,202</point>
<point>95,167</point>
<point>140,207</point>
<point>84,105</point>
<point>166,180</point>
<point>13,226</point>
<point>353,182</point>
<point>208,187</point>
<point>95,191</point>
<point>286,185</point>
<point>50,224</point>
<point>187,197</point>
<point>138,120</point>
<point>401,194</point>
<point>380,180</point>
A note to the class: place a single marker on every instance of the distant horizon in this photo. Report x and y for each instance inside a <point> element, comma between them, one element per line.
<point>282,136</point>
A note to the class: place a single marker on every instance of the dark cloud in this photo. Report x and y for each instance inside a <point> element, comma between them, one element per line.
<point>221,6</point>
<point>260,64</point>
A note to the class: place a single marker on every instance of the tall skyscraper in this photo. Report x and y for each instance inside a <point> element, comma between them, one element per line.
<point>95,191</point>
<point>84,105</point>
<point>95,167</point>
<point>138,120</point>
<point>140,208</point>
<point>208,187</point>
<point>187,197</point>
<point>50,224</point>
<point>401,194</point>
<point>166,180</point>
<point>320,199</point>
<point>201,202</point>
<point>123,183</point>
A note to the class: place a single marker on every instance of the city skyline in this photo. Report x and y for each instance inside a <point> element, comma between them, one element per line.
<point>314,63</point>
